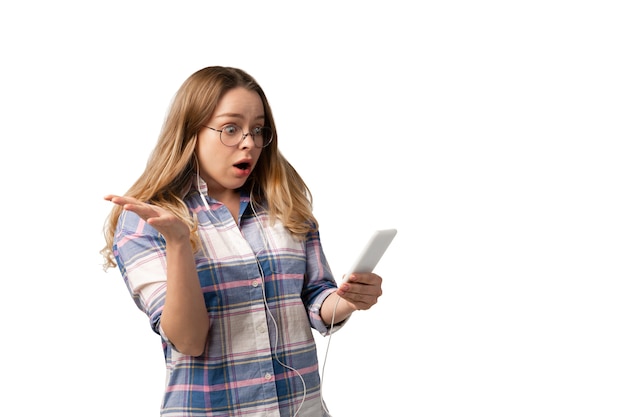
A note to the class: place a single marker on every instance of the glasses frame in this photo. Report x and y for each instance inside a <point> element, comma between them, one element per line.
<point>244,136</point>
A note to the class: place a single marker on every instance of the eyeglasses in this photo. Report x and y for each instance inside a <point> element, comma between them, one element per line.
<point>232,135</point>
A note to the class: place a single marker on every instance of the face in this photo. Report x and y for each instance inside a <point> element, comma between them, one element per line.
<point>226,168</point>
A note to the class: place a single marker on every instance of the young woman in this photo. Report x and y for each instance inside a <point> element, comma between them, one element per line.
<point>218,245</point>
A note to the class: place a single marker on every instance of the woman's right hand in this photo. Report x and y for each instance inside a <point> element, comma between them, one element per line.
<point>171,227</point>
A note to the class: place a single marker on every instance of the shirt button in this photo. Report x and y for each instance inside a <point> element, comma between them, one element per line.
<point>261,329</point>
<point>255,283</point>
<point>268,376</point>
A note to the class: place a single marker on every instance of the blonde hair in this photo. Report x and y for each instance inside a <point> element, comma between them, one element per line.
<point>172,164</point>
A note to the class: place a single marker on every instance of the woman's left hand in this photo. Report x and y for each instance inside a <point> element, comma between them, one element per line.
<point>361,290</point>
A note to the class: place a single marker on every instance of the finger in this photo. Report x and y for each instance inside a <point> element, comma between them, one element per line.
<point>121,200</point>
<point>143,210</point>
<point>365,278</point>
<point>362,290</point>
<point>360,301</point>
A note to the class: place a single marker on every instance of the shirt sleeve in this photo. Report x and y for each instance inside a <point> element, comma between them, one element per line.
<point>140,253</point>
<point>319,283</point>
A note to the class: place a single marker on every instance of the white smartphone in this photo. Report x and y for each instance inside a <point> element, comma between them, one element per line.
<point>372,252</point>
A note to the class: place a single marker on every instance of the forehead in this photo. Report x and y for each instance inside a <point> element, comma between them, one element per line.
<point>239,101</point>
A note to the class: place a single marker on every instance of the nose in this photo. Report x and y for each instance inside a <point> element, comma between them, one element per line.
<point>244,141</point>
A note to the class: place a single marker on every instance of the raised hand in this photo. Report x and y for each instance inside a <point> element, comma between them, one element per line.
<point>170,226</point>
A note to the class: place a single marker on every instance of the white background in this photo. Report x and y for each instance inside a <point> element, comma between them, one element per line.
<point>490,133</point>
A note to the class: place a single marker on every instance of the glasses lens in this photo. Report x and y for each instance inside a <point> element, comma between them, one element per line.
<point>231,135</point>
<point>267,134</point>
<point>263,136</point>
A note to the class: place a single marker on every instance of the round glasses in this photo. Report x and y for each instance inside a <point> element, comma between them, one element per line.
<point>232,135</point>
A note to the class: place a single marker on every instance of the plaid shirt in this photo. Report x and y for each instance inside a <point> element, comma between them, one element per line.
<point>241,371</point>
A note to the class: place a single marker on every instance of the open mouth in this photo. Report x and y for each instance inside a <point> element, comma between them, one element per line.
<point>243,165</point>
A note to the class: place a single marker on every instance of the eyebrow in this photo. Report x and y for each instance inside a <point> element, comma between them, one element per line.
<point>238,116</point>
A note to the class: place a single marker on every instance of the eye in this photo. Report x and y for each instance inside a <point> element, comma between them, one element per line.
<point>231,130</point>
<point>257,130</point>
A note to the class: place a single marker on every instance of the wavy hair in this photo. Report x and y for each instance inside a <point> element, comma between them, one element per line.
<point>172,164</point>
